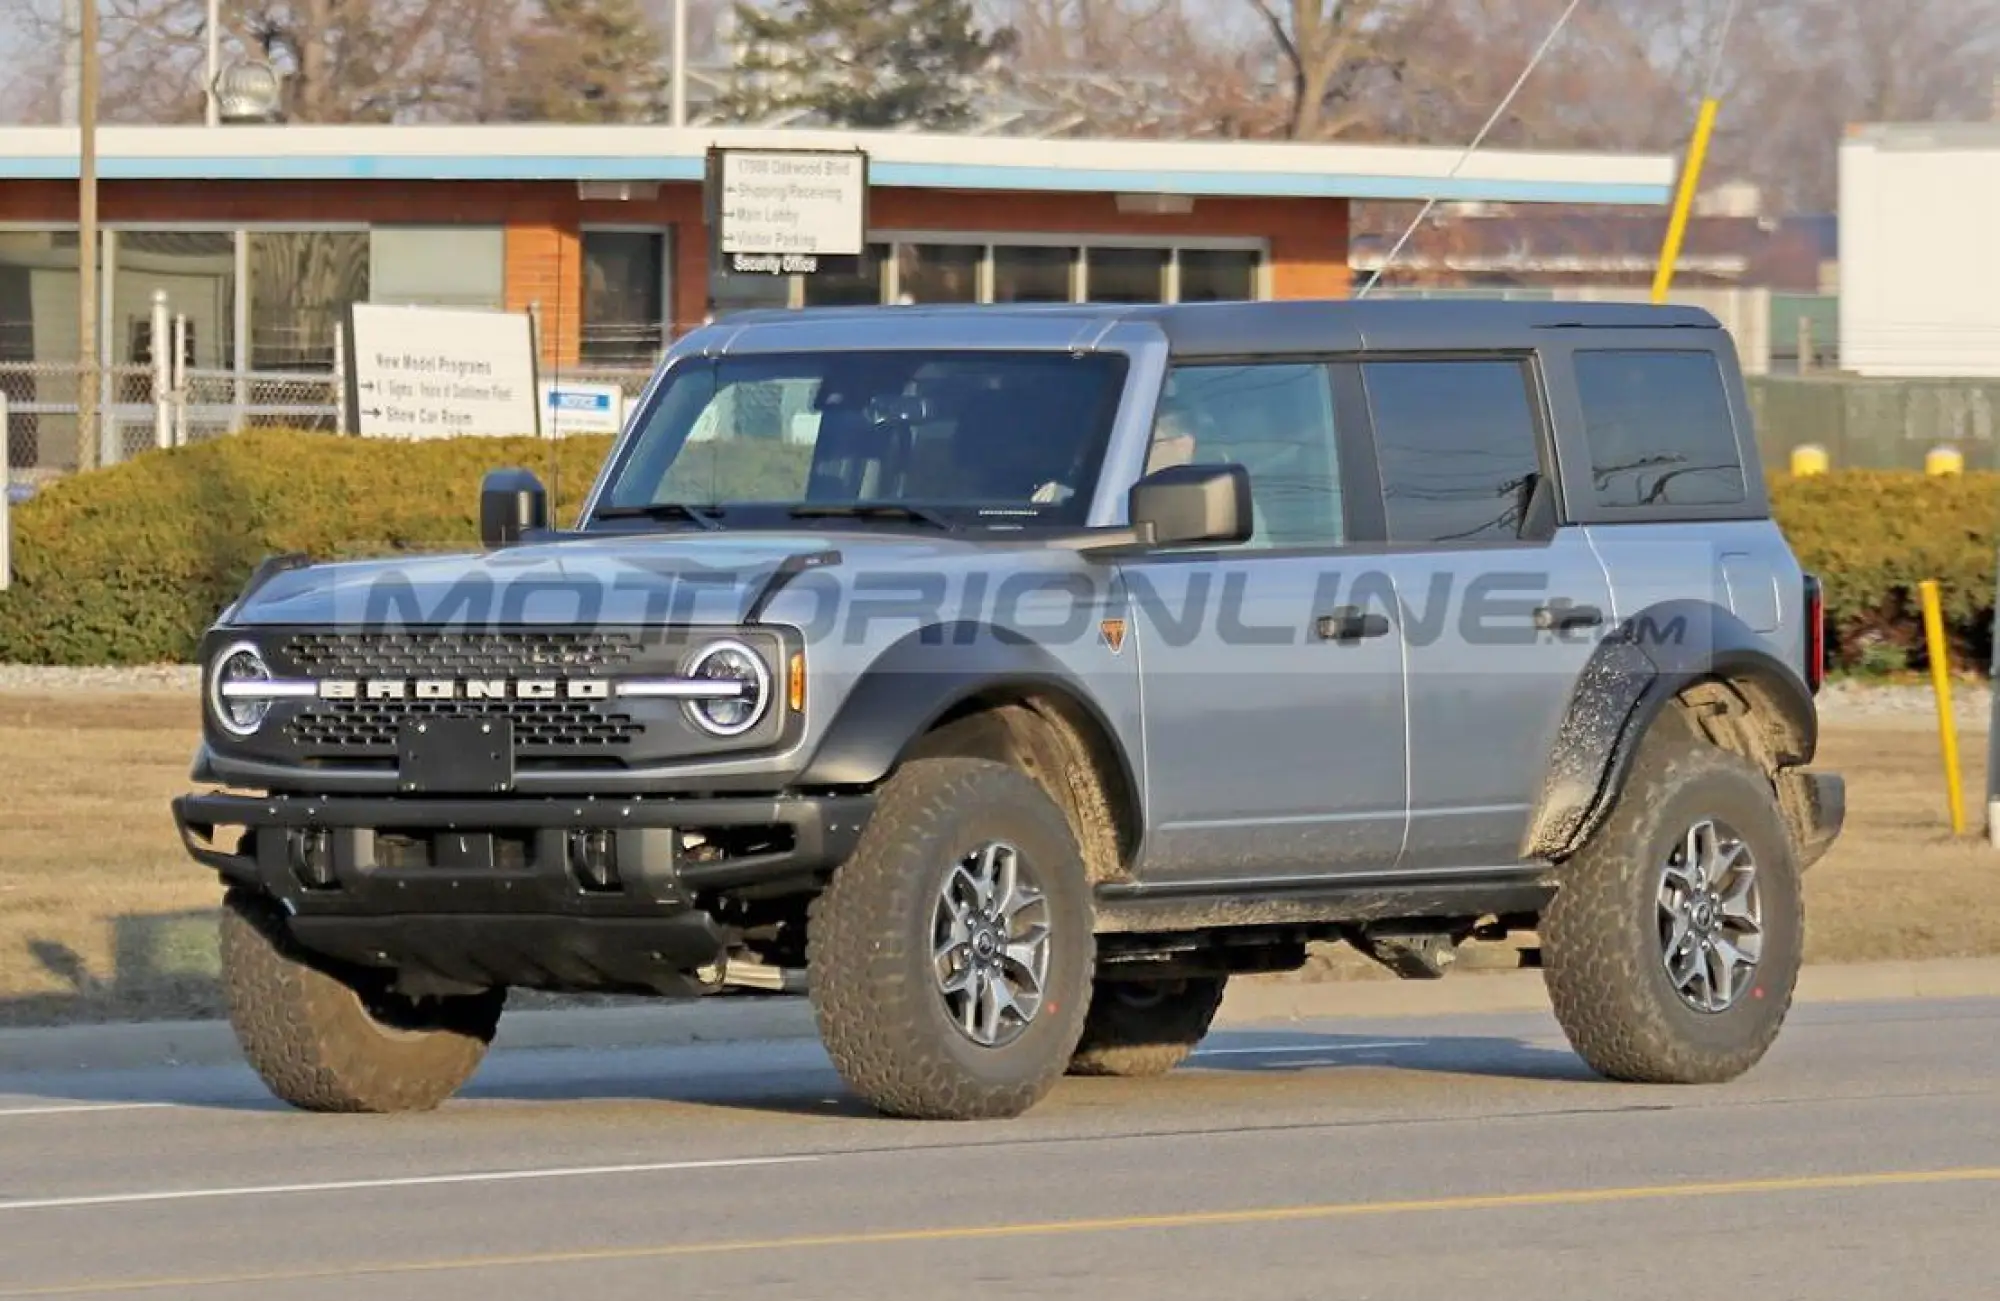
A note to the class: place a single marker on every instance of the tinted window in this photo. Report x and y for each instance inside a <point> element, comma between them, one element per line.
<point>1274,420</point>
<point>1659,428</point>
<point>1456,441</point>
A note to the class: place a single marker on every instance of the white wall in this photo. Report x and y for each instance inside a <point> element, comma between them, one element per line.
<point>1920,252</point>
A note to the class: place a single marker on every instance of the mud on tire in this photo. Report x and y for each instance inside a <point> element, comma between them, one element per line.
<point>1606,935</point>
<point>1145,1028</point>
<point>323,1041</point>
<point>874,940</point>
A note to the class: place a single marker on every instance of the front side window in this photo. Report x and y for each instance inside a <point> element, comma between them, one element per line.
<point>1276,421</point>
<point>1659,428</point>
<point>1457,444</point>
<point>964,437</point>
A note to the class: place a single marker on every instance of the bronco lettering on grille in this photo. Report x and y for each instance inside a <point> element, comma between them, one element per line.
<point>467,689</point>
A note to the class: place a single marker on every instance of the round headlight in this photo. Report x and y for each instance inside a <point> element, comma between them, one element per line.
<point>240,666</point>
<point>730,662</point>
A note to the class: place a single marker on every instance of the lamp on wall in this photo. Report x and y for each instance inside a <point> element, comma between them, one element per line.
<point>249,91</point>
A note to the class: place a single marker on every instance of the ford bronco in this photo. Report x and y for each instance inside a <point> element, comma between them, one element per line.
<point>1006,680</point>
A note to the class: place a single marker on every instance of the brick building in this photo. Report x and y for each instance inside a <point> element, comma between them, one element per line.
<point>262,235</point>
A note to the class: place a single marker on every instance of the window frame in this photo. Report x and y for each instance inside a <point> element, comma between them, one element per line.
<point>1541,410</point>
<point>1360,489</point>
<point>1572,434</point>
<point>1671,510</point>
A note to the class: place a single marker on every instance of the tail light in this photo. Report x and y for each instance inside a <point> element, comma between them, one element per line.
<point>1815,618</point>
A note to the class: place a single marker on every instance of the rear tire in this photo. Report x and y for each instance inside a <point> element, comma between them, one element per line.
<point>1635,894</point>
<point>1138,1029</point>
<point>328,1040</point>
<point>896,959</point>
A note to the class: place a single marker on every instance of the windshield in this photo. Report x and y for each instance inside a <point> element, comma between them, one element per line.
<point>955,438</point>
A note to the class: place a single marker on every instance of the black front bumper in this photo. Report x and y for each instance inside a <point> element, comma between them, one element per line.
<point>487,891</point>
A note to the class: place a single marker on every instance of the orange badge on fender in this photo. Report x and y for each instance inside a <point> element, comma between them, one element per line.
<point>1113,632</point>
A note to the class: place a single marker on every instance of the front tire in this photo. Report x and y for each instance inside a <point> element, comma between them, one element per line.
<point>950,958</point>
<point>1672,948</point>
<point>331,1042</point>
<point>1139,1029</point>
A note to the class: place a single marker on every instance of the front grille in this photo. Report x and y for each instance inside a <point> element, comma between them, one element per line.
<point>459,654</point>
<point>350,727</point>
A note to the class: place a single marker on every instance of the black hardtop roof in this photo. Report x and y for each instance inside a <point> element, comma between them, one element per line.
<point>1282,325</point>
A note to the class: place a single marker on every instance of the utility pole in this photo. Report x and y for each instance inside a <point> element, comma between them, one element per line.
<point>214,102</point>
<point>680,62</point>
<point>86,252</point>
<point>72,74</point>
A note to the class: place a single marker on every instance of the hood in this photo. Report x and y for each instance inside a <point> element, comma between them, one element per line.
<point>608,579</point>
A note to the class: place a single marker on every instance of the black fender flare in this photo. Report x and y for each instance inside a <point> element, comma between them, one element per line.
<point>1631,678</point>
<point>912,685</point>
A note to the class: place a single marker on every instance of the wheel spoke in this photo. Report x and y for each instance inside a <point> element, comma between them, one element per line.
<point>996,999</point>
<point>995,862</point>
<point>1721,978</point>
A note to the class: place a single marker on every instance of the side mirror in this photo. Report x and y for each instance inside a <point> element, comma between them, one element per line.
<point>512,502</point>
<point>1192,503</point>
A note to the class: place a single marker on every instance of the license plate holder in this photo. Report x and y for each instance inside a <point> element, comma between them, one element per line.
<point>455,756</point>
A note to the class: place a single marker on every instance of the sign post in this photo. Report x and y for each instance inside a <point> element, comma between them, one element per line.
<point>785,211</point>
<point>431,372</point>
<point>574,408</point>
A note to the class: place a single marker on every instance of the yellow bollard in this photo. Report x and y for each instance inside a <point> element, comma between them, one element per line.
<point>1944,460</point>
<point>1941,686</point>
<point>1808,459</point>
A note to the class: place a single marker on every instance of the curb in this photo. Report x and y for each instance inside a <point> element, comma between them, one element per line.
<point>752,1018</point>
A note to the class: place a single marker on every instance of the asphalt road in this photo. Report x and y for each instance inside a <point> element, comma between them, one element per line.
<point>1406,1158</point>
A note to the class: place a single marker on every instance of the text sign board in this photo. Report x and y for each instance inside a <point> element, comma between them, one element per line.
<point>779,211</point>
<point>433,372</point>
<point>582,408</point>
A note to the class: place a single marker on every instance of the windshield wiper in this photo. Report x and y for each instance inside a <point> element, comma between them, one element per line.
<point>864,509</point>
<point>662,510</point>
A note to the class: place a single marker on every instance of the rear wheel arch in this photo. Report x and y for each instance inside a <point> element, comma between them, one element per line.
<point>1690,667</point>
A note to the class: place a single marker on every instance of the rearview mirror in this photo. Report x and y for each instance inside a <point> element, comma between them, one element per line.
<point>1192,503</point>
<point>512,502</point>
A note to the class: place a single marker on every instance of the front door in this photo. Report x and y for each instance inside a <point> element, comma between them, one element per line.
<point>1273,712</point>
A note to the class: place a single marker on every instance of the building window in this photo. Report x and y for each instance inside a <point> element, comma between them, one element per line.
<point>1127,275</point>
<point>938,273</point>
<point>1457,445</point>
<point>842,281</point>
<point>438,266</point>
<point>624,297</point>
<point>301,285</point>
<point>1034,273</point>
<point>1209,275</point>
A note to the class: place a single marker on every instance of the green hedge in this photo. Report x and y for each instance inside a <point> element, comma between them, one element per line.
<point>128,564</point>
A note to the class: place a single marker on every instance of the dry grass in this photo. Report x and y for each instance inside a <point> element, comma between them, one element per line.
<point>103,916</point>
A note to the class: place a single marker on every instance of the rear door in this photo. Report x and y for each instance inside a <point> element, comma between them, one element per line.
<point>1500,609</point>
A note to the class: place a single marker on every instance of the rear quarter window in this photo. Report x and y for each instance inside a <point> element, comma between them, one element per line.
<point>1659,428</point>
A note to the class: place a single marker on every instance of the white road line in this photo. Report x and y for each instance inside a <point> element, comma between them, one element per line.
<point>413,1181</point>
<point>1300,1049</point>
<point>81,1108</point>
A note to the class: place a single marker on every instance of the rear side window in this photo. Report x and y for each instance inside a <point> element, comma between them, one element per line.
<point>1659,428</point>
<point>1456,441</point>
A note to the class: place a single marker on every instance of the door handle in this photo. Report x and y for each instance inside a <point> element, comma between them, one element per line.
<point>1348,623</point>
<point>1562,614</point>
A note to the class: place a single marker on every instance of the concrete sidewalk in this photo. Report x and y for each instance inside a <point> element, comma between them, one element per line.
<point>737,1019</point>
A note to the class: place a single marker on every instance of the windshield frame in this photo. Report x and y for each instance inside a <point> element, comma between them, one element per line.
<point>1099,447</point>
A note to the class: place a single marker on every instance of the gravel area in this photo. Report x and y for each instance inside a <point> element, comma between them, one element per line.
<point>1839,700</point>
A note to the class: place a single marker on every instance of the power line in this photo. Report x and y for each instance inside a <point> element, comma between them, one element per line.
<point>1477,140</point>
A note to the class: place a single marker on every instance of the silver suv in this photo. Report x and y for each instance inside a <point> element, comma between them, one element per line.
<point>1007,679</point>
